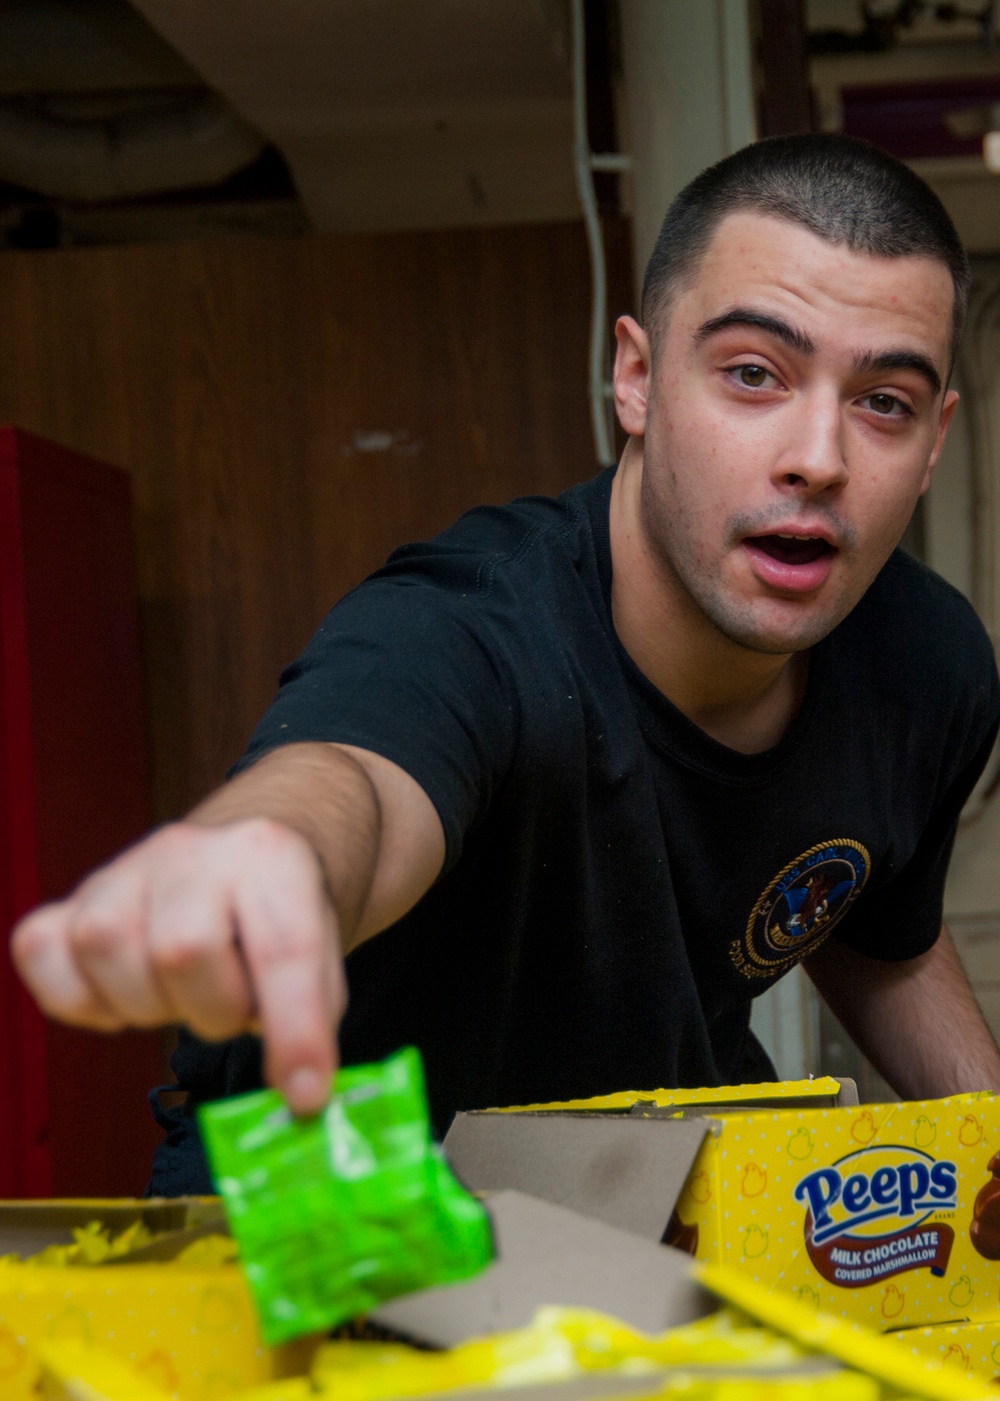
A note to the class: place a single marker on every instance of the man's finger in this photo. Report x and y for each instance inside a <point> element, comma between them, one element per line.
<point>191,942</point>
<point>106,937</point>
<point>289,941</point>
<point>40,948</point>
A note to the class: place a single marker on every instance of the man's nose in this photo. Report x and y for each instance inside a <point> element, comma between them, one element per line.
<point>813,455</point>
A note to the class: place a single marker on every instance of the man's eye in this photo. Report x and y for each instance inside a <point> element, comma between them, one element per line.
<point>753,376</point>
<point>887,405</point>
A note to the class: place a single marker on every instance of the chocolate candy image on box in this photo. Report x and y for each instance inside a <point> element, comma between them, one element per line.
<point>985,1229</point>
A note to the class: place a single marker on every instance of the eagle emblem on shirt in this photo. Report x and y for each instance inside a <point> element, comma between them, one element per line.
<point>800,907</point>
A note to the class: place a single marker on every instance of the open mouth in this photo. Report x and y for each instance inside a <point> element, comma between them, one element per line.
<point>793,549</point>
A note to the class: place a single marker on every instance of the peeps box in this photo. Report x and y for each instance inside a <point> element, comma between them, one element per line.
<point>191,1332</point>
<point>885,1214</point>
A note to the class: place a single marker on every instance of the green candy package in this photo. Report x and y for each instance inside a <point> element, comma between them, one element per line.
<point>337,1213</point>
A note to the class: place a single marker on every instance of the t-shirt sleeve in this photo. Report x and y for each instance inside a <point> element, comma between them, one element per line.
<point>416,674</point>
<point>902,919</point>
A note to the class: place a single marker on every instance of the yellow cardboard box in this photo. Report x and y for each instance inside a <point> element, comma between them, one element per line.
<point>971,1348</point>
<point>191,1332</point>
<point>887,1214</point>
<point>868,1212</point>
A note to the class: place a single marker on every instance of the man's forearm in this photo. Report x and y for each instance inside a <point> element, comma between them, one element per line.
<point>327,797</point>
<point>917,1021</point>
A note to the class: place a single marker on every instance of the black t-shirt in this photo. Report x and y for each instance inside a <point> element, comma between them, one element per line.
<point>617,886</point>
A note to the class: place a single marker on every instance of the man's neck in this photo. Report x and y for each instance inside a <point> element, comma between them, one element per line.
<point>744,699</point>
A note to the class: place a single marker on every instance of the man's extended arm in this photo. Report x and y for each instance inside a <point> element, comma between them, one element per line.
<point>238,917</point>
<point>917,1021</point>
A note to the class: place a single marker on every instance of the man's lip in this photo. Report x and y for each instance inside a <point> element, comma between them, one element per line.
<point>789,578</point>
<point>799,531</point>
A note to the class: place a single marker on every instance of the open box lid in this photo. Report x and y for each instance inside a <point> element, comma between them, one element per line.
<point>546,1253</point>
<point>627,1172</point>
<point>626,1167</point>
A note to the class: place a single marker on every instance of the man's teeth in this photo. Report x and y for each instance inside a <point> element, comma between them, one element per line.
<point>783,536</point>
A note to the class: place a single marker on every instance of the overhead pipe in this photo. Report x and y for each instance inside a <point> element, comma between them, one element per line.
<point>585,162</point>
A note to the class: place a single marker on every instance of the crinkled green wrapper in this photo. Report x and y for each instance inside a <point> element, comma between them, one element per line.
<point>337,1213</point>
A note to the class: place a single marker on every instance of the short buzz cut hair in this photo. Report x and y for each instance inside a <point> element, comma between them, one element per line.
<point>846,191</point>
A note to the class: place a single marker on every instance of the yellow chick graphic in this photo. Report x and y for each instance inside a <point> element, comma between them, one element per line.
<point>71,1323</point>
<point>924,1132</point>
<point>800,1145</point>
<point>971,1131</point>
<point>957,1356</point>
<point>755,1242</point>
<point>754,1181</point>
<point>159,1369</point>
<point>863,1128</point>
<point>961,1292</point>
<point>893,1300</point>
<point>216,1311</point>
<point>807,1295</point>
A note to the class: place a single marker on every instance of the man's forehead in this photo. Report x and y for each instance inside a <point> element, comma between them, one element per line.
<point>779,263</point>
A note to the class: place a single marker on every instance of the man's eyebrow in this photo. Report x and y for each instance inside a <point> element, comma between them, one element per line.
<point>759,321</point>
<point>870,361</point>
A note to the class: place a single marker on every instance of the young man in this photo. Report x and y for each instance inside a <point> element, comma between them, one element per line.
<point>597,770</point>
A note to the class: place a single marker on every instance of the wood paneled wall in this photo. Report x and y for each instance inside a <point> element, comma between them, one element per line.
<point>290,411</point>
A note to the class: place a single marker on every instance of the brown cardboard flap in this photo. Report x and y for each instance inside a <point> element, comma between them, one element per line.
<point>622,1170</point>
<point>549,1255</point>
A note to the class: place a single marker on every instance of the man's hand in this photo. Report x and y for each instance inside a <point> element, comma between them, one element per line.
<point>214,927</point>
<point>236,919</point>
<point>917,1021</point>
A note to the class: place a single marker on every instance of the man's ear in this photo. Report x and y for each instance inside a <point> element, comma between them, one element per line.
<point>631,377</point>
<point>947,410</point>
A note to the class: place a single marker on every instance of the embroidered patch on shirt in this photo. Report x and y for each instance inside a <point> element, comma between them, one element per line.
<point>800,907</point>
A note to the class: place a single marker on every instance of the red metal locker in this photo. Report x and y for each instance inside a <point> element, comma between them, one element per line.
<point>73,790</point>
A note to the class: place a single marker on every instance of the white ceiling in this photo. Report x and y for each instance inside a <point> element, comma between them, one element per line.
<point>392,113</point>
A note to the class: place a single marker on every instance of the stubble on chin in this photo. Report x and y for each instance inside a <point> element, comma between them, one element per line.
<point>750,624</point>
<point>747,629</point>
